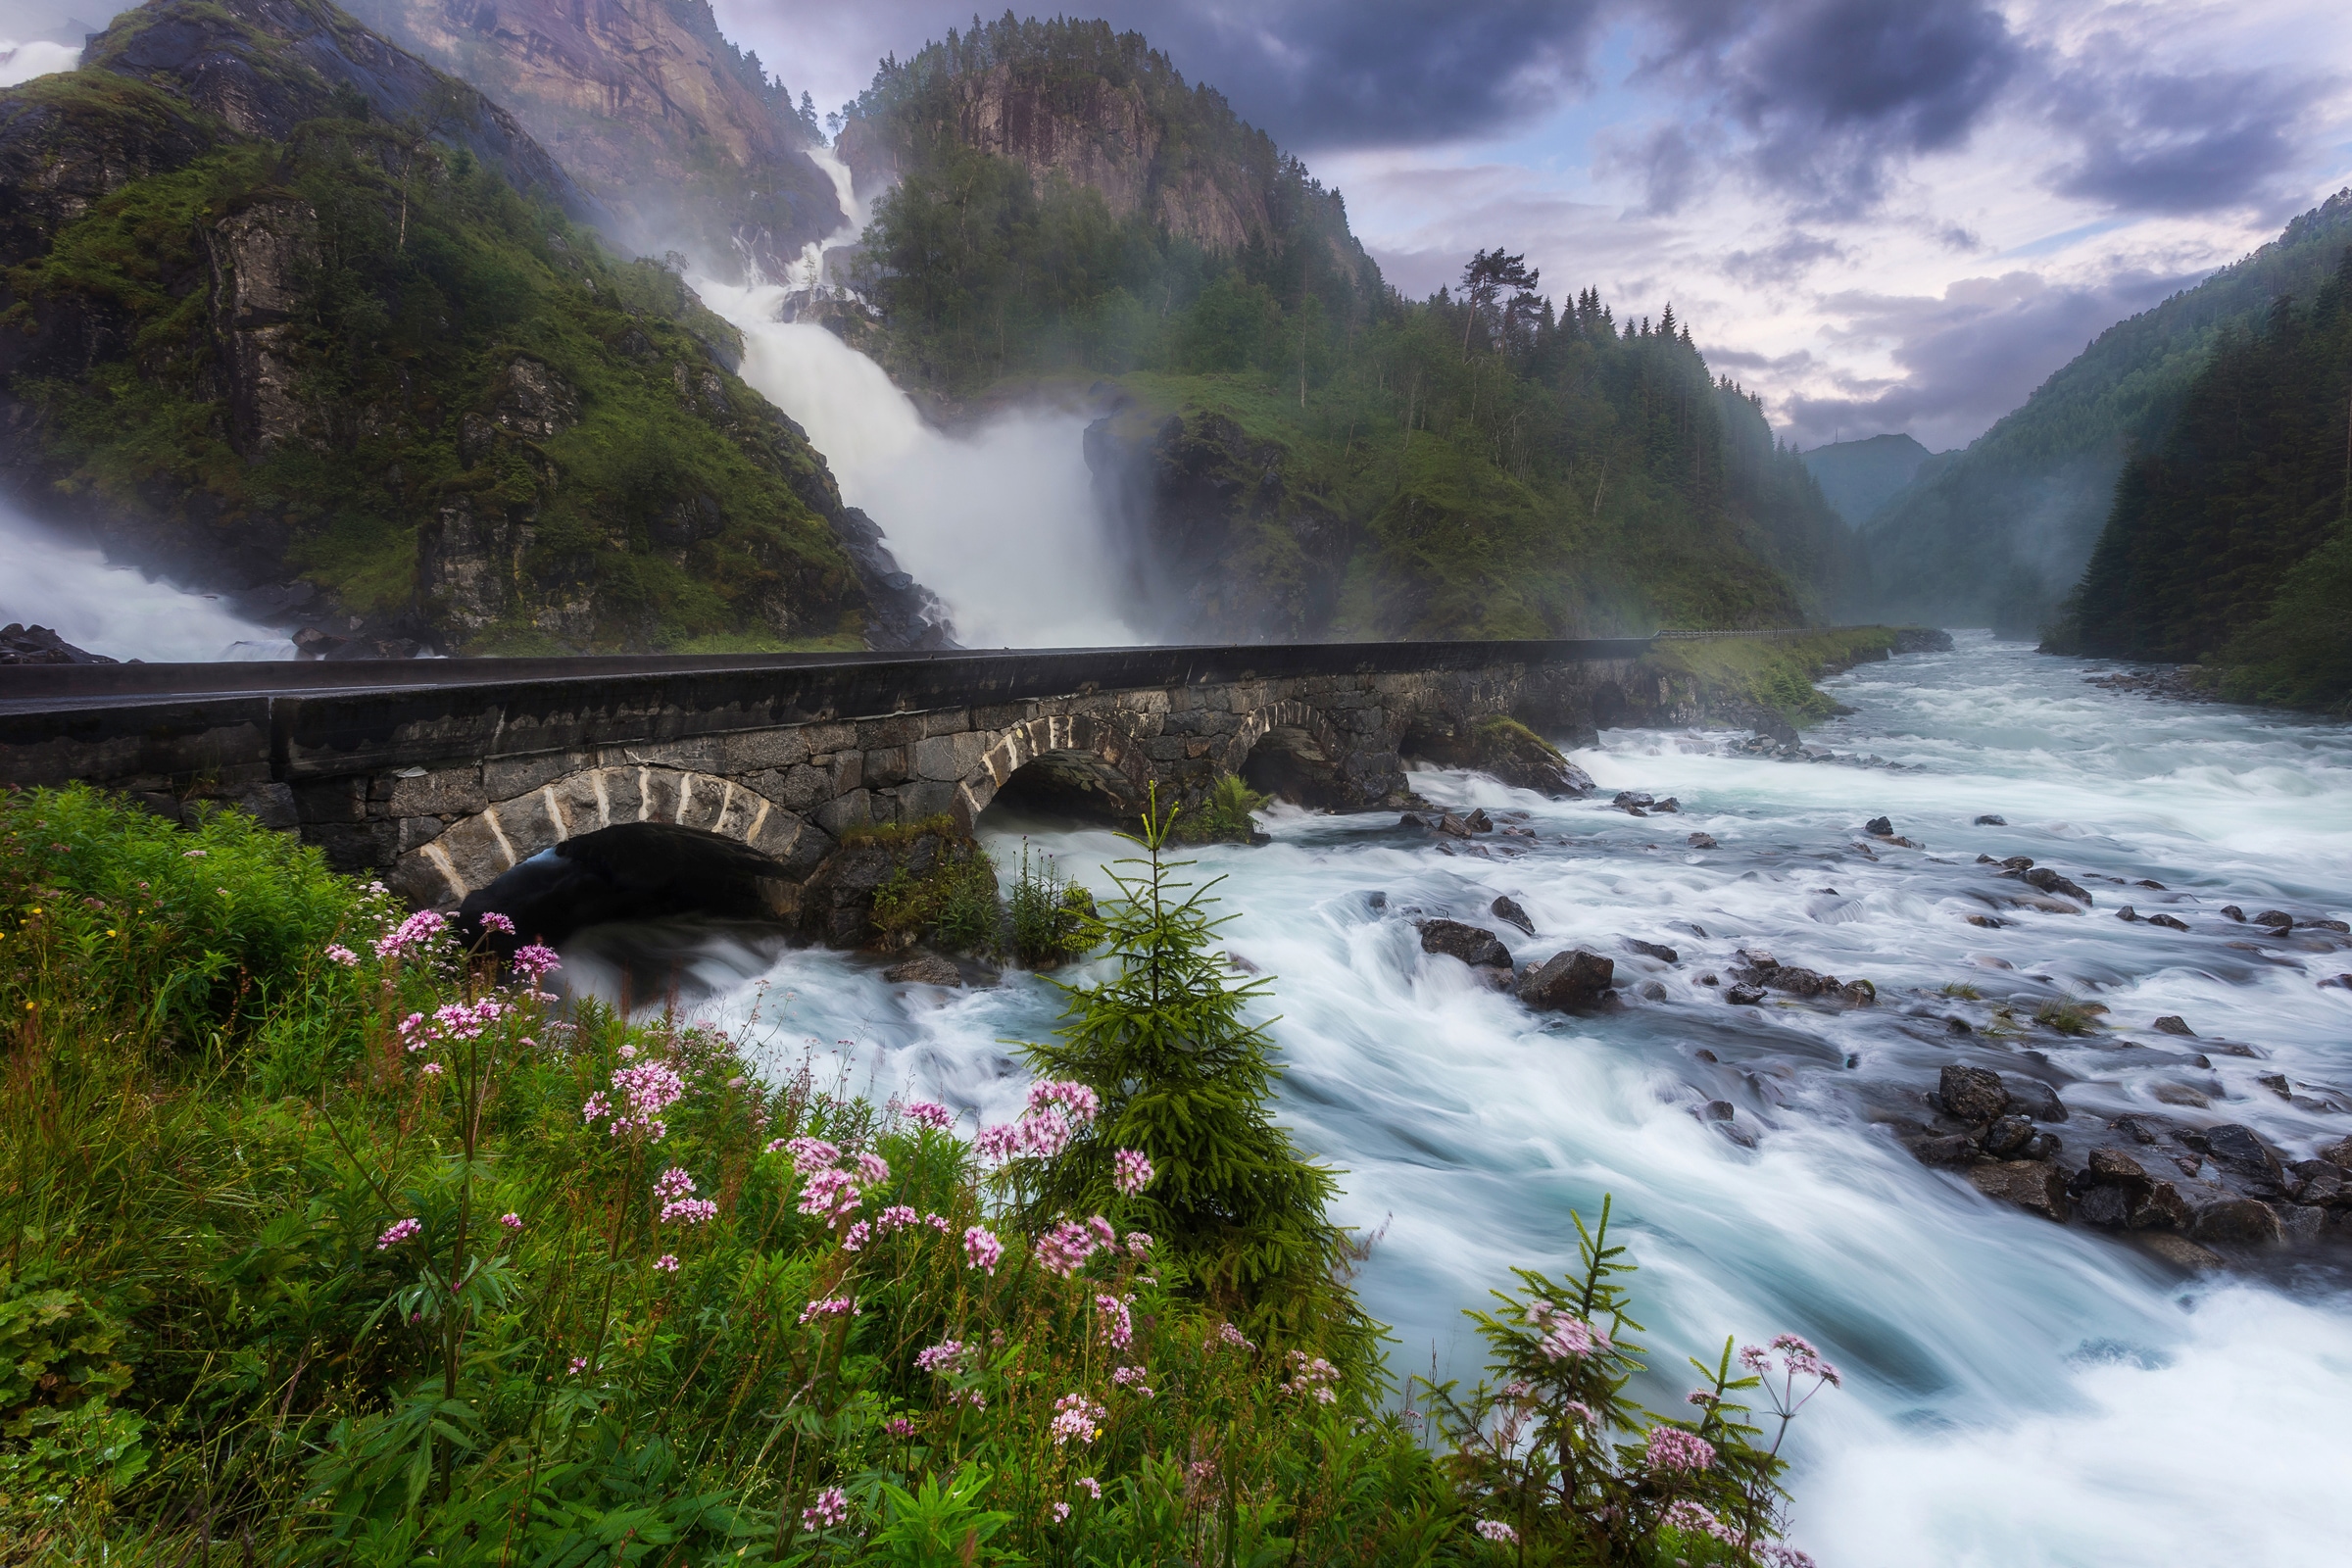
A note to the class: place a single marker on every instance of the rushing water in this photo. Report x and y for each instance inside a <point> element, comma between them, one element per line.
<point>115,611</point>
<point>2017,1392</point>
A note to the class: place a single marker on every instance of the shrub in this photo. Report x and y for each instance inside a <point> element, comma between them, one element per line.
<point>1222,818</point>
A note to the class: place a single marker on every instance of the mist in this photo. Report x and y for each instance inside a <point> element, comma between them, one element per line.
<point>115,611</point>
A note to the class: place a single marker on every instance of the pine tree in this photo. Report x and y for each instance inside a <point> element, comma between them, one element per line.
<point>1187,1080</point>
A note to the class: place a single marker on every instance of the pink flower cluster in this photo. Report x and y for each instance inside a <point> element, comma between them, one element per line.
<point>1118,1326</point>
<point>1132,1377</point>
<point>981,1248</point>
<point>942,1358</point>
<point>398,1231</point>
<point>1673,1449</point>
<point>1056,1112</point>
<point>513,1222</point>
<point>455,1020</point>
<point>1227,1334</point>
<point>337,953</point>
<point>646,1089</point>
<point>1798,1359</point>
<point>831,1196</point>
<point>1090,1485</point>
<point>492,920</point>
<point>414,931</point>
<point>666,1263</point>
<point>897,1426</point>
<point>832,1508</point>
<point>689,1212</point>
<point>1076,1418</point>
<point>1311,1377</point>
<point>928,1113</point>
<point>1065,1248</point>
<point>1131,1171</point>
<point>1565,1335</point>
<point>830,1306</point>
<point>533,962</point>
<point>1496,1531</point>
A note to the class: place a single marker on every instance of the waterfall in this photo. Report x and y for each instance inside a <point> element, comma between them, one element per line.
<point>1001,522</point>
<point>115,610</point>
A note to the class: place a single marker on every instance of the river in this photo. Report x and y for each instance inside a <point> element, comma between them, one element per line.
<point>2017,1392</point>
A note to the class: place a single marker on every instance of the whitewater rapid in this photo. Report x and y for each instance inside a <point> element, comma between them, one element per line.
<point>2017,1392</point>
<point>70,589</point>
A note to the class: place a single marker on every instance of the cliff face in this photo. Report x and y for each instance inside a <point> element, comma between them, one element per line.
<point>685,140</point>
<point>284,312</point>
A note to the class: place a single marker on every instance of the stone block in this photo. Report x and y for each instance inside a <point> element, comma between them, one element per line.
<point>899,729</point>
<point>781,834</point>
<point>756,750</point>
<point>624,794</point>
<point>1001,716</point>
<point>949,758</point>
<point>946,721</point>
<point>418,831</point>
<point>799,789</point>
<point>1165,749</point>
<point>579,803</point>
<point>884,766</point>
<point>335,800</point>
<point>701,800</point>
<point>527,824</point>
<point>658,795</point>
<point>354,847</point>
<point>474,852</point>
<point>825,738</point>
<point>739,808</point>
<point>926,798</point>
<point>505,777</point>
<point>269,804</point>
<point>855,809</point>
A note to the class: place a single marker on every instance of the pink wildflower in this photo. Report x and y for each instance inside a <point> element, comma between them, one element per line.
<point>1673,1449</point>
<point>337,953</point>
<point>1311,1378</point>
<point>579,1364</point>
<point>1074,1100</point>
<point>1138,1243</point>
<point>596,1106</point>
<point>666,1263</point>
<point>1227,1334</point>
<point>981,1248</point>
<point>896,1217</point>
<point>1118,1326</point>
<point>1065,1248</point>
<point>830,1306</point>
<point>648,1089</point>
<point>513,1222</point>
<point>939,1222</point>
<point>1805,1361</point>
<point>431,1070</point>
<point>414,931</point>
<point>689,1212</point>
<point>854,1239</point>
<point>927,1114</point>
<point>831,1196</point>
<point>807,1154</point>
<point>1090,1485</point>
<point>1131,1173</point>
<point>1582,1411</point>
<point>1496,1531</point>
<point>995,1145</point>
<point>1076,1419</point>
<point>398,1231</point>
<point>1062,1512</point>
<point>832,1508</point>
<point>492,920</point>
<point>1044,1133</point>
<point>897,1426</point>
<point>534,961</point>
<point>673,1183</point>
<point>942,1358</point>
<point>1105,1237</point>
<point>873,1168</point>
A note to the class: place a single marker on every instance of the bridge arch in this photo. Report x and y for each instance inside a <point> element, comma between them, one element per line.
<point>1306,761</point>
<point>1076,737</point>
<point>474,852</point>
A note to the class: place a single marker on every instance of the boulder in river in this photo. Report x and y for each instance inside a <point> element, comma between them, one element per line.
<point>1744,996</point>
<point>1702,841</point>
<point>2036,1186</point>
<point>1651,950</point>
<point>2237,1221</point>
<point>1475,946</point>
<point>1882,827</point>
<point>1567,981</point>
<point>2277,919</point>
<point>1989,821</point>
<point>1971,1093</point>
<point>2030,1096</point>
<point>1957,1149</point>
<point>2234,1145</point>
<point>2338,1152</point>
<point>925,970</point>
<point>2049,881</point>
<point>2172,1023</point>
<point>2168,922</point>
<point>2182,1253</point>
<point>1508,909</point>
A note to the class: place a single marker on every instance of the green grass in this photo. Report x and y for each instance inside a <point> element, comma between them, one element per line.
<point>298,1268</point>
<point>1774,673</point>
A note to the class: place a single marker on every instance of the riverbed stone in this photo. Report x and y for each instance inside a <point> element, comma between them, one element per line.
<point>2030,1096</point>
<point>1971,1093</point>
<point>1475,946</point>
<point>2036,1186</point>
<point>1508,909</point>
<point>1567,981</point>
<point>2237,1221</point>
<point>925,970</point>
<point>2182,1253</point>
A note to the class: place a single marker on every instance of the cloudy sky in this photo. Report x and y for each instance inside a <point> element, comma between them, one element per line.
<point>1884,214</point>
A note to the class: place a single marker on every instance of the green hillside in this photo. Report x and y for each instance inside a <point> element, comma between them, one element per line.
<point>1294,449</point>
<point>1996,537</point>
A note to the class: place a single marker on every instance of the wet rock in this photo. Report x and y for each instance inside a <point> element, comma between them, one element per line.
<point>2019,862</point>
<point>1651,990</point>
<point>1798,981</point>
<point>2231,912</point>
<point>2007,1136</point>
<point>1567,981</point>
<point>1859,994</point>
<point>2277,919</point>
<point>1992,821</point>
<point>1971,1093</point>
<point>2030,1096</point>
<point>2234,1145</point>
<point>1987,860</point>
<point>2182,1253</point>
<point>1702,841</point>
<point>2161,1209</point>
<point>2049,881</point>
<point>1669,803</point>
<point>1882,827</point>
<point>2340,927</point>
<point>1376,899</point>
<point>1957,1026</point>
<point>1452,826</point>
<point>1718,1110</point>
<point>1638,801</point>
<point>2299,1222</point>
<point>2126,913</point>
<point>2107,1207</point>
<point>1744,996</point>
<point>2338,1152</point>
<point>1987,921</point>
<point>2277,1084</point>
<point>2172,1023</point>
<point>1475,946</point>
<point>1477,821</point>
<point>1412,819</point>
<point>2319,1181</point>
<point>1708,980</point>
<point>2149,882</point>
<point>2182,1095</point>
<point>2035,1184</point>
<point>21,644</point>
<point>2341,982</point>
<point>2168,922</point>
<point>1955,1149</point>
<point>1652,950</point>
<point>2139,1129</point>
<point>2237,1222</point>
<point>925,970</point>
<point>1507,908</point>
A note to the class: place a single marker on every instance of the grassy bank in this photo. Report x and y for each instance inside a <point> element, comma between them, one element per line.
<point>1724,676</point>
<point>321,1241</point>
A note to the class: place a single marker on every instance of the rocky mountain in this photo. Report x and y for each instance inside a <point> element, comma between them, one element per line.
<point>1858,477</point>
<point>290,313</point>
<point>1998,536</point>
<point>687,140</point>
<point>1288,449</point>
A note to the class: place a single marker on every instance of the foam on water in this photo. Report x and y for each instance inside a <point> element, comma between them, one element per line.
<point>115,611</point>
<point>2017,1392</point>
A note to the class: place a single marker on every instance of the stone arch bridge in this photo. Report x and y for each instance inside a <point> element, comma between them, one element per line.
<point>440,775</point>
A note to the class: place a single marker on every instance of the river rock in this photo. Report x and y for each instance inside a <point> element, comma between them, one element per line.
<point>1702,841</point>
<point>1859,994</point>
<point>2168,922</point>
<point>925,970</point>
<point>1956,1149</point>
<point>1989,821</point>
<point>1971,1093</point>
<point>2126,913</point>
<point>2160,1208</point>
<point>2182,1253</point>
<point>2275,919</point>
<point>2235,1145</point>
<point>2019,862</point>
<point>2231,911</point>
<point>2317,1181</point>
<point>2049,881</point>
<point>2338,1152</point>
<point>1798,981</point>
<point>1507,908</point>
<point>1567,981</point>
<point>2237,1222</point>
<point>1651,990</point>
<point>1882,827</point>
<point>2007,1136</point>
<point>1477,821</point>
<point>2035,1184</point>
<point>2299,1222</point>
<point>1634,801</point>
<point>1744,996</point>
<point>1475,946</point>
<point>1653,950</point>
<point>2172,1023</point>
<point>2032,1097</point>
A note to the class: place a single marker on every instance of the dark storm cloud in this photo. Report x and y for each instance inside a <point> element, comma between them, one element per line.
<point>2160,142</point>
<point>1832,93</point>
<point>1966,358</point>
